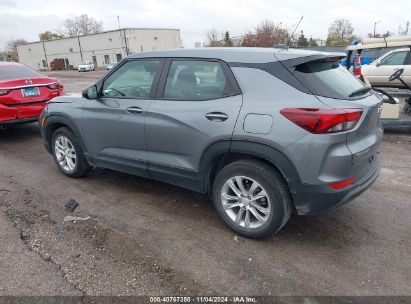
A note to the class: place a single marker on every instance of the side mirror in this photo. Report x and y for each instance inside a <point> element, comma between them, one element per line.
<point>396,75</point>
<point>378,62</point>
<point>90,93</point>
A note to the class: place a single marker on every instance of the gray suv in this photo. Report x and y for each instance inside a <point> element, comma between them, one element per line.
<point>263,132</point>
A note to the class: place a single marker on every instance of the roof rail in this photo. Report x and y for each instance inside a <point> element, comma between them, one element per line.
<point>281,46</point>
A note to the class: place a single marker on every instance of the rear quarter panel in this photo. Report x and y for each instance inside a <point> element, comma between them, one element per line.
<point>265,94</point>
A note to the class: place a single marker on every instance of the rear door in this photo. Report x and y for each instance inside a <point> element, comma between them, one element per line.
<point>113,125</point>
<point>380,72</point>
<point>407,69</point>
<point>198,104</point>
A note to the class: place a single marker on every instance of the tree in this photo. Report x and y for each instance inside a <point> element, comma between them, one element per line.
<point>48,35</point>
<point>302,41</point>
<point>227,39</point>
<point>213,38</point>
<point>82,25</point>
<point>266,34</point>
<point>249,39</point>
<point>312,42</point>
<point>340,32</point>
<point>3,56</point>
<point>11,48</point>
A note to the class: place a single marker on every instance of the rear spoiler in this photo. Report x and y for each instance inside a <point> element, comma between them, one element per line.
<point>290,64</point>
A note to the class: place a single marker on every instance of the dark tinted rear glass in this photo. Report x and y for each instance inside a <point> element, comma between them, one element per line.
<point>17,71</point>
<point>328,79</point>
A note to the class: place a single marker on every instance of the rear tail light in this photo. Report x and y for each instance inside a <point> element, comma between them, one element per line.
<point>54,86</point>
<point>319,121</point>
<point>4,92</point>
<point>342,184</point>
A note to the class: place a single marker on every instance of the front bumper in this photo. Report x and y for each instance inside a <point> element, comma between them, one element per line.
<point>320,199</point>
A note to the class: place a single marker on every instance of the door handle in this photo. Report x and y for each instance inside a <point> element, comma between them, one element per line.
<point>216,116</point>
<point>134,110</point>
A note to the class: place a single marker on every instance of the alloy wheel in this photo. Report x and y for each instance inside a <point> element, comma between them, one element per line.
<point>246,202</point>
<point>65,153</point>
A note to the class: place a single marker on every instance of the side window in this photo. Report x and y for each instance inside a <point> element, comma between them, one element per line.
<point>195,80</point>
<point>396,58</point>
<point>132,80</point>
<point>408,59</point>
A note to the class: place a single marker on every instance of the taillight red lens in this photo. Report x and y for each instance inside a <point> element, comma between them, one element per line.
<point>54,86</point>
<point>320,121</point>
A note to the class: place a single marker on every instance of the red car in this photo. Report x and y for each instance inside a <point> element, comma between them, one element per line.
<point>24,93</point>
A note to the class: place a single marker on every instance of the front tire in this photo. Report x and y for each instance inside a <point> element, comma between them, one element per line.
<point>252,198</point>
<point>68,154</point>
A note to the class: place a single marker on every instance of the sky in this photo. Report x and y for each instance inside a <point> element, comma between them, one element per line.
<point>26,19</point>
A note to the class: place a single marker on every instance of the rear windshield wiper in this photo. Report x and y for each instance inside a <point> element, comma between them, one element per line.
<point>360,91</point>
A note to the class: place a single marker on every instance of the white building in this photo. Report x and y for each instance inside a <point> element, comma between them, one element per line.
<point>101,49</point>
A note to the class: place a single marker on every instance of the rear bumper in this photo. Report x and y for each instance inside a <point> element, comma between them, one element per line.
<point>19,121</point>
<point>396,122</point>
<point>320,199</point>
<point>21,113</point>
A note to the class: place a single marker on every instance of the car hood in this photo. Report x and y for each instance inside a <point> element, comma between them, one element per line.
<point>68,98</point>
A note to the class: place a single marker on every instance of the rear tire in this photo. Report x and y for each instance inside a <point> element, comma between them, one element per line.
<point>67,153</point>
<point>252,198</point>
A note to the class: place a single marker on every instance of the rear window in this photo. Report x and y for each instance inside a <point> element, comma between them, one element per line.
<point>17,71</point>
<point>328,79</point>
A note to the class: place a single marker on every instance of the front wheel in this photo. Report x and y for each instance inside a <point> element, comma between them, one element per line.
<point>252,198</point>
<point>68,154</point>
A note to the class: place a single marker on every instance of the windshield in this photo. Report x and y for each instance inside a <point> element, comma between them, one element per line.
<point>328,79</point>
<point>86,62</point>
<point>17,71</point>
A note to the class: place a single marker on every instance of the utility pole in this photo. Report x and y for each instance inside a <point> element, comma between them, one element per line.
<point>45,55</point>
<point>121,37</point>
<point>125,42</point>
<point>79,47</point>
<point>375,24</point>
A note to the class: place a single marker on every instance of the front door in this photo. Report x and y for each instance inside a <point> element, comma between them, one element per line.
<point>114,123</point>
<point>197,106</point>
<point>381,71</point>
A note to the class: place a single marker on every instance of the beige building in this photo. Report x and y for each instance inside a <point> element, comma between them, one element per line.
<point>101,49</point>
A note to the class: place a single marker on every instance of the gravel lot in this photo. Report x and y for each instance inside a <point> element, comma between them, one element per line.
<point>150,238</point>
